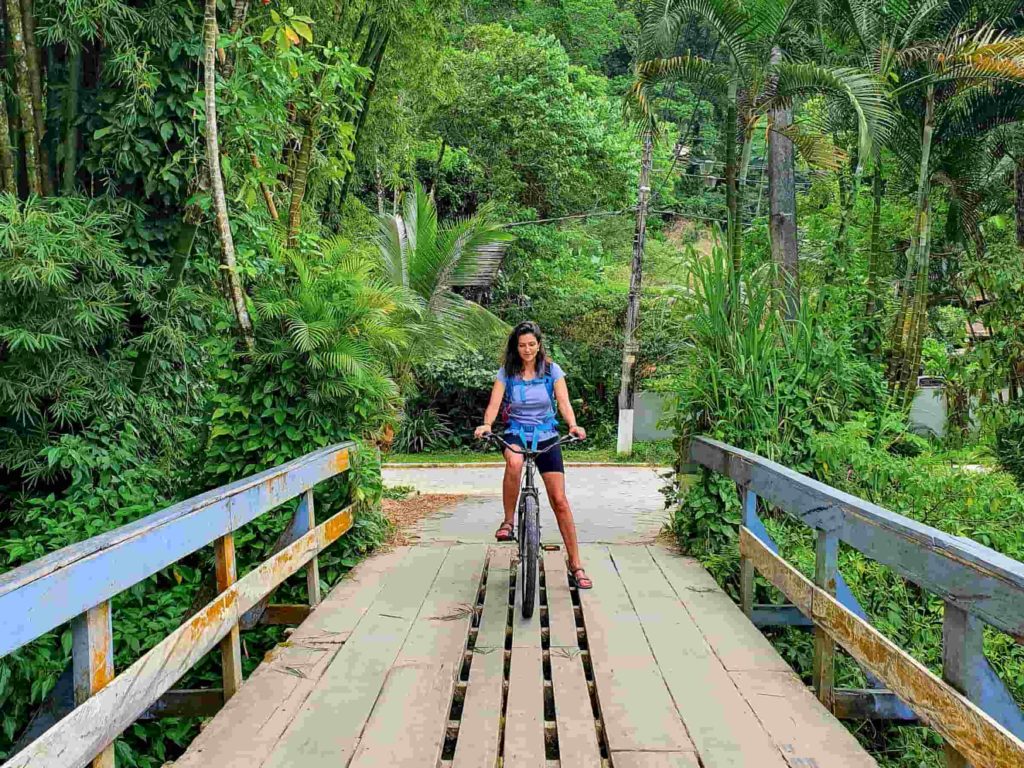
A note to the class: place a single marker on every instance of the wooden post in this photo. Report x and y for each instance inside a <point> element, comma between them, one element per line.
<point>962,646</point>
<point>92,653</point>
<point>313,568</point>
<point>826,563</point>
<point>747,567</point>
<point>230,646</point>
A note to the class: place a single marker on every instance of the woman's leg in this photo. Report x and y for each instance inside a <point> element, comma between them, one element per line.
<point>510,485</point>
<point>555,484</point>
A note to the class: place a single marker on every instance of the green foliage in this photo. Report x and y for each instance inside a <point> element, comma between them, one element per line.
<point>589,30</point>
<point>758,381</point>
<point>422,258</point>
<point>424,430</point>
<point>547,131</point>
<point>1009,445</point>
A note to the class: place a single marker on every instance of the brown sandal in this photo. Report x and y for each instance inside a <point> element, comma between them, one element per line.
<point>505,532</point>
<point>581,582</point>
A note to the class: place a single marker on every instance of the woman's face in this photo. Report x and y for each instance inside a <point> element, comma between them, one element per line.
<point>528,347</point>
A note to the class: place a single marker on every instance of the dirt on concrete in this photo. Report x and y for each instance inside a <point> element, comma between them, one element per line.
<point>405,513</point>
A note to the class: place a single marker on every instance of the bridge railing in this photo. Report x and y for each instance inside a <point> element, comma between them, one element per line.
<point>77,584</point>
<point>969,706</point>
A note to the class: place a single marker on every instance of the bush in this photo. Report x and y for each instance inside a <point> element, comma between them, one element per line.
<point>1010,441</point>
<point>424,430</point>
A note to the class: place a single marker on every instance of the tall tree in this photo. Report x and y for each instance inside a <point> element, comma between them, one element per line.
<point>23,94</point>
<point>782,200</point>
<point>627,387</point>
<point>953,84</point>
<point>220,205</point>
<point>767,67</point>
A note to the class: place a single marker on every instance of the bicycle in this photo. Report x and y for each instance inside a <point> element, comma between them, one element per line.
<point>528,510</point>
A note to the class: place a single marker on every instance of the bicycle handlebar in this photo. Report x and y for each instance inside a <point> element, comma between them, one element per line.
<point>524,451</point>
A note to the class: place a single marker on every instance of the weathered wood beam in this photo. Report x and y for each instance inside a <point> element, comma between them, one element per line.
<point>97,722</point>
<point>826,564</point>
<point>92,652</point>
<point>186,702</point>
<point>961,571</point>
<point>306,509</point>
<point>965,726</point>
<point>870,704</point>
<point>766,615</point>
<point>48,592</point>
<point>746,567</point>
<point>230,645</point>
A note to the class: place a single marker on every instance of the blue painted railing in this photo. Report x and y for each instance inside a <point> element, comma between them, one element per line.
<point>971,707</point>
<point>76,584</point>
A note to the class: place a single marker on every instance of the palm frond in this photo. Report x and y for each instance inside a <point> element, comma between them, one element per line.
<point>817,149</point>
<point>857,87</point>
<point>660,23</point>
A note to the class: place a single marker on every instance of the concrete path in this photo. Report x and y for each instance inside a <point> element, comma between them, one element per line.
<point>610,504</point>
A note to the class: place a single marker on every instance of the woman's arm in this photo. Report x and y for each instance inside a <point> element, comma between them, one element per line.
<point>497,392</point>
<point>565,407</point>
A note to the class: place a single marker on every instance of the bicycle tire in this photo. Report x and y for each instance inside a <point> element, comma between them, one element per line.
<point>530,533</point>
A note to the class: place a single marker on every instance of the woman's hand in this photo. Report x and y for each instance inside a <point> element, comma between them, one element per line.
<point>481,431</point>
<point>578,432</point>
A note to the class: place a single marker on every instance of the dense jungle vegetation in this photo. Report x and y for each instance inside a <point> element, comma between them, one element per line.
<point>234,232</point>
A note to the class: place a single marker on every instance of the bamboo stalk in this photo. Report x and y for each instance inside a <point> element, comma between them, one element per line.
<point>35,81</point>
<point>70,169</point>
<point>299,182</point>
<point>23,93</point>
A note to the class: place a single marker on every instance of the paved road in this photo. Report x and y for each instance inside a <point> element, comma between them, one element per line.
<point>610,504</point>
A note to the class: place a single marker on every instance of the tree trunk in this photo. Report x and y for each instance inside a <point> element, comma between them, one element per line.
<point>299,182</point>
<point>379,181</point>
<point>35,81</point>
<point>268,196</point>
<point>733,233</point>
<point>630,346</point>
<point>437,167</point>
<point>1018,203</point>
<point>70,169</point>
<point>238,14</point>
<point>361,119</point>
<point>182,248</point>
<point>23,93</point>
<point>220,204</point>
<point>912,333</point>
<point>8,173</point>
<point>782,207</point>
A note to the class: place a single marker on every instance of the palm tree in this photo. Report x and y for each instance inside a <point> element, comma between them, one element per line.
<point>330,314</point>
<point>764,72</point>
<point>958,86</point>
<point>758,80</point>
<point>424,258</point>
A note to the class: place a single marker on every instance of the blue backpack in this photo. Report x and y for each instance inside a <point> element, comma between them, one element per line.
<point>517,388</point>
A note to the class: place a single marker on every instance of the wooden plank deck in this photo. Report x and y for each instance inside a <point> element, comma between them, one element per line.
<point>420,657</point>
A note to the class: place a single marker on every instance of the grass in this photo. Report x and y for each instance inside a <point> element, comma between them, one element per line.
<point>659,452</point>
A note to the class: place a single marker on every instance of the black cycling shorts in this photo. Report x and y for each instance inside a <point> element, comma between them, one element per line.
<point>546,462</point>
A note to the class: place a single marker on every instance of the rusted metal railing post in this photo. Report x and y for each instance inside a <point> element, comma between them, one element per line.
<point>313,568</point>
<point>230,646</point>
<point>92,653</point>
<point>747,567</point>
<point>962,644</point>
<point>826,563</point>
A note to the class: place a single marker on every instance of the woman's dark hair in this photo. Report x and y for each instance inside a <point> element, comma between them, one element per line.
<point>513,362</point>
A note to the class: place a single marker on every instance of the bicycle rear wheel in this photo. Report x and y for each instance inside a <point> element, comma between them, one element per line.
<point>529,549</point>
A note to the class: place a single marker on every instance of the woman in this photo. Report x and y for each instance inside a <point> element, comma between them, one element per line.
<point>533,383</point>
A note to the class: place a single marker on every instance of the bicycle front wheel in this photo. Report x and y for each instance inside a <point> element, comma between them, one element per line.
<point>530,543</point>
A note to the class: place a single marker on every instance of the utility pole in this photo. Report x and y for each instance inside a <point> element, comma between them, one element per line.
<point>630,347</point>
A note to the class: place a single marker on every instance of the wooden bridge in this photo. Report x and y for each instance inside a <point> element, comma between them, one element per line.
<point>419,657</point>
